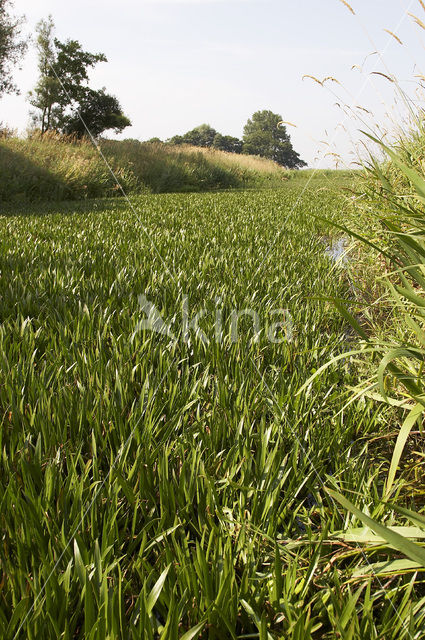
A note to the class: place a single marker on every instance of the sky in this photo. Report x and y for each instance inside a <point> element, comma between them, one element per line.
<point>175,64</point>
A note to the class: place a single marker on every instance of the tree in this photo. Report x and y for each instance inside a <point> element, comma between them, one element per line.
<point>202,136</point>
<point>227,143</point>
<point>176,140</point>
<point>62,91</point>
<point>47,92</point>
<point>98,111</point>
<point>265,136</point>
<point>12,47</point>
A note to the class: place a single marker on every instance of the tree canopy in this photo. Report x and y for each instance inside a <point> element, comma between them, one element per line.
<point>98,111</point>
<point>12,46</point>
<point>264,135</point>
<point>227,143</point>
<point>202,136</point>
<point>62,96</point>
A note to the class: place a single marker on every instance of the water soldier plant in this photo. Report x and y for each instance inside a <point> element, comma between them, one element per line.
<point>155,487</point>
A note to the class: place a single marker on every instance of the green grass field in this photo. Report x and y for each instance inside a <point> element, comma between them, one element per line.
<point>171,486</point>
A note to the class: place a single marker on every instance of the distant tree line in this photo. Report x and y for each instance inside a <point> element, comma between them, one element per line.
<point>264,135</point>
<point>206,136</point>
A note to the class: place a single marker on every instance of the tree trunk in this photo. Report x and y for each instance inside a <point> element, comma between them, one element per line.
<point>49,112</point>
<point>43,122</point>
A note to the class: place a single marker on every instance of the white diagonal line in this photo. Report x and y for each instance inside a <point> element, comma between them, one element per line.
<point>112,172</point>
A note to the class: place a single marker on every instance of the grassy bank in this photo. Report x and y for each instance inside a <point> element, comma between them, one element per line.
<point>57,168</point>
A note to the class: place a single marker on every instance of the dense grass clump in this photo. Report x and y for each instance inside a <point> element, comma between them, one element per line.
<point>171,484</point>
<point>392,203</point>
<point>54,167</point>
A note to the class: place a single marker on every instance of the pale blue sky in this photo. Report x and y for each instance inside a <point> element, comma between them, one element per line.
<point>177,63</point>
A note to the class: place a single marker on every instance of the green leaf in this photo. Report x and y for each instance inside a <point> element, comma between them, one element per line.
<point>89,609</point>
<point>350,318</point>
<point>19,613</point>
<point>406,428</point>
<point>156,590</point>
<point>417,518</point>
<point>411,296</point>
<point>126,488</point>
<point>410,549</point>
<point>347,613</point>
<point>328,364</point>
<point>79,565</point>
<point>250,611</point>
<point>161,537</point>
<point>366,536</point>
<point>194,631</point>
<point>392,566</point>
<point>393,354</point>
